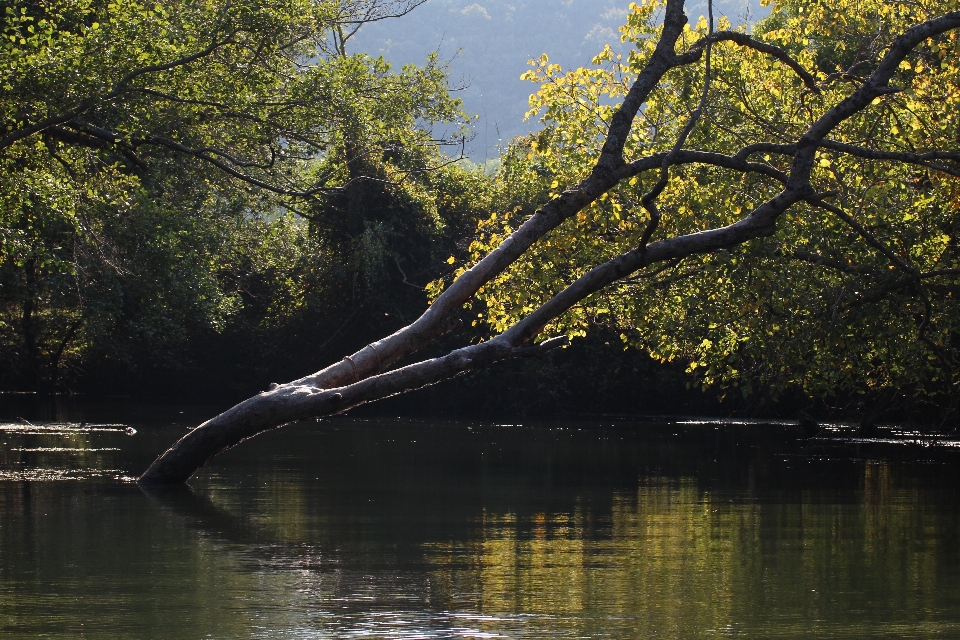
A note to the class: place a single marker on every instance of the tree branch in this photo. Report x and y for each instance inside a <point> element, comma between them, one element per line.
<point>210,156</point>
<point>352,382</point>
<point>871,239</point>
<point>649,199</point>
<point>744,40</point>
<point>441,316</point>
<point>923,159</point>
<point>118,88</point>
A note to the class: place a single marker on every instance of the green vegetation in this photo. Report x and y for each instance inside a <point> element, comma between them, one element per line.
<point>854,295</point>
<point>187,174</point>
<point>227,192</point>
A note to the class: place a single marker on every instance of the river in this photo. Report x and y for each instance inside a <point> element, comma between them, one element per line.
<point>394,528</point>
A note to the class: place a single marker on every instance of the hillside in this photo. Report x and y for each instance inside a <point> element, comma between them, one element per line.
<point>488,44</point>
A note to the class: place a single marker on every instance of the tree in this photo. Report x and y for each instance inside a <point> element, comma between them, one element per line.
<point>769,193</point>
<point>112,224</point>
<point>850,296</point>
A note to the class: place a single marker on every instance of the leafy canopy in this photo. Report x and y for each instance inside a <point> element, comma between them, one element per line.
<point>825,305</point>
<point>144,145</point>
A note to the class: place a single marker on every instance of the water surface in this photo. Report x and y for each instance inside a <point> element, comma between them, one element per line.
<point>395,528</point>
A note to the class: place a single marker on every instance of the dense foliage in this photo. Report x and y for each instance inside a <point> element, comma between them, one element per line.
<point>859,299</point>
<point>188,176</point>
<point>225,190</point>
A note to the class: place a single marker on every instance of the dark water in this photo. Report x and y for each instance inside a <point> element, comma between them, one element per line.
<point>404,529</point>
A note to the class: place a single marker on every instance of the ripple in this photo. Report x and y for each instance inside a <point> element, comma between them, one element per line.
<point>53,428</point>
<point>51,475</point>
<point>743,422</point>
<point>927,442</point>
<point>61,449</point>
<point>415,625</point>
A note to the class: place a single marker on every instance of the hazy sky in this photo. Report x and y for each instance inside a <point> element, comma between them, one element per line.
<point>488,44</point>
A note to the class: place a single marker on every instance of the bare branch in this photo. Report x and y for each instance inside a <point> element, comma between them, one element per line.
<point>378,10</point>
<point>375,11</point>
<point>118,88</point>
<point>745,40</point>
<point>649,199</point>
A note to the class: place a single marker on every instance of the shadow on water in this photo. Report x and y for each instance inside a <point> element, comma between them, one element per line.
<point>198,511</point>
<point>420,529</point>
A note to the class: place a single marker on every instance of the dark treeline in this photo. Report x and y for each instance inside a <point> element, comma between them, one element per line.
<point>131,264</point>
<point>193,297</point>
<point>200,201</point>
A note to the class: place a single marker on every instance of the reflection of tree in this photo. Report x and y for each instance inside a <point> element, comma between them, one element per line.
<point>96,555</point>
<point>681,563</point>
<point>666,558</point>
<point>199,512</point>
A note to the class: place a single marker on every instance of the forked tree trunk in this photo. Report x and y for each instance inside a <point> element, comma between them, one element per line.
<point>363,376</point>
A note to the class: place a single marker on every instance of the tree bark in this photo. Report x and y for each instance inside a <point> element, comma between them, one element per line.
<point>360,378</point>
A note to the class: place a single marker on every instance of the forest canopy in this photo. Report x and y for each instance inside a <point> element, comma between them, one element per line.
<point>193,173</point>
<point>230,184</point>
<point>855,292</point>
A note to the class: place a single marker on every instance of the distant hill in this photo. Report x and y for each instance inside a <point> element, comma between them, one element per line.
<point>496,38</point>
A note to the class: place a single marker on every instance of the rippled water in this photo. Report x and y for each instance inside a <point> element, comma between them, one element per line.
<point>415,529</point>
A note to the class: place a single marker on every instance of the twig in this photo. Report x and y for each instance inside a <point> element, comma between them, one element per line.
<point>648,201</point>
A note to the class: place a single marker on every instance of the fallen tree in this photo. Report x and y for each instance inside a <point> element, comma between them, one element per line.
<point>365,376</point>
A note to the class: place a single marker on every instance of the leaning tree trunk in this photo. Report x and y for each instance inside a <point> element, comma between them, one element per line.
<point>364,377</point>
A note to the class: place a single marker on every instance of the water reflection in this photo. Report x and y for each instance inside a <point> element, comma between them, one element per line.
<point>397,529</point>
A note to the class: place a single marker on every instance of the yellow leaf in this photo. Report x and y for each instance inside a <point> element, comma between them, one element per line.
<point>451,260</point>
